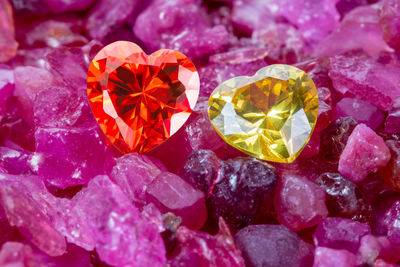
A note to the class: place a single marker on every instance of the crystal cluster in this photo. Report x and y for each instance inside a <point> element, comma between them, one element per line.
<point>70,197</point>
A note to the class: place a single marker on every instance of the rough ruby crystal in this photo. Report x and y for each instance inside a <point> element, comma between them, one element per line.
<point>328,257</point>
<point>139,100</point>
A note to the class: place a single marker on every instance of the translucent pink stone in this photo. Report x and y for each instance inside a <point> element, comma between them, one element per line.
<point>364,153</point>
<point>171,193</point>
<point>273,245</point>
<point>8,44</point>
<point>327,257</point>
<point>70,156</point>
<point>26,211</point>
<point>202,249</point>
<point>133,173</point>
<point>107,15</point>
<point>299,202</point>
<point>392,123</point>
<point>15,160</point>
<point>378,247</point>
<point>391,221</point>
<point>362,111</point>
<point>364,77</point>
<point>389,18</point>
<point>362,24</point>
<point>111,216</point>
<point>340,233</point>
<point>180,25</point>
<point>28,82</point>
<point>16,254</point>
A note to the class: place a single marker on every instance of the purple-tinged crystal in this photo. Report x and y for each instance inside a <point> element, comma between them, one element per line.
<point>392,123</point>
<point>340,233</point>
<point>377,247</point>
<point>390,22</point>
<point>8,44</point>
<point>133,173</point>
<point>121,235</point>
<point>15,160</point>
<point>364,77</point>
<point>106,15</point>
<point>362,24</point>
<point>179,25</point>
<point>362,111</point>
<point>15,254</point>
<point>70,156</point>
<point>171,193</point>
<point>364,153</point>
<point>202,249</point>
<point>6,84</point>
<point>328,257</point>
<point>273,245</point>
<point>392,223</point>
<point>59,6</point>
<point>299,202</point>
<point>240,190</point>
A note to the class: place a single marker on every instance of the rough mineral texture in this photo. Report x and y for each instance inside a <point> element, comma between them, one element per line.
<point>364,153</point>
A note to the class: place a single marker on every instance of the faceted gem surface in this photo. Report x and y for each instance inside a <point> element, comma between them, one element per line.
<point>269,116</point>
<point>138,100</point>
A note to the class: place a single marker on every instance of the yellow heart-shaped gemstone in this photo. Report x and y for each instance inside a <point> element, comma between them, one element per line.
<point>269,116</point>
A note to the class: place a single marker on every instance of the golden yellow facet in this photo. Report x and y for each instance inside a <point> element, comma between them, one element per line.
<point>269,116</point>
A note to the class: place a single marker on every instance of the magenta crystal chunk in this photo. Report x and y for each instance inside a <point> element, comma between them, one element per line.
<point>273,245</point>
<point>364,76</point>
<point>391,221</point>
<point>378,247</point>
<point>327,257</point>
<point>171,193</point>
<point>6,84</point>
<point>121,235</point>
<point>16,254</point>
<point>362,111</point>
<point>299,203</point>
<point>340,233</point>
<point>180,25</point>
<point>364,153</point>
<point>392,123</point>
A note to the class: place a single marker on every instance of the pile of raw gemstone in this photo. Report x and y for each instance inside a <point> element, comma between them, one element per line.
<point>68,198</point>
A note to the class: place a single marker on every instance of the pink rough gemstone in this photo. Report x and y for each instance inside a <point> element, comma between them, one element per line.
<point>14,254</point>
<point>28,82</point>
<point>15,160</point>
<point>390,21</point>
<point>392,123</point>
<point>8,45</point>
<point>171,193</point>
<point>133,173</point>
<point>391,221</point>
<point>364,153</point>
<point>202,249</point>
<point>340,233</point>
<point>180,25</point>
<point>327,257</point>
<point>377,247</point>
<point>25,211</point>
<point>121,235</point>
<point>362,111</point>
<point>70,156</point>
<point>364,77</point>
<point>362,24</point>
<point>6,84</point>
<point>273,245</point>
<point>382,263</point>
<point>299,202</point>
<point>107,15</point>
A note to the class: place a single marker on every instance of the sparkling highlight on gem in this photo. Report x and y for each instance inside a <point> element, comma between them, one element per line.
<point>269,116</point>
<point>138,100</point>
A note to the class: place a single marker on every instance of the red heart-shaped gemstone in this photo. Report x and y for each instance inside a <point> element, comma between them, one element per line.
<point>141,100</point>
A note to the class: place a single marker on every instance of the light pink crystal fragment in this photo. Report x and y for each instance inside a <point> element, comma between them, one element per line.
<point>364,153</point>
<point>327,257</point>
<point>8,45</point>
<point>15,254</point>
<point>299,202</point>
<point>171,193</point>
<point>362,111</point>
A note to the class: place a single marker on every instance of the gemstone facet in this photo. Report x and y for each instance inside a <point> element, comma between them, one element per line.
<point>269,116</point>
<point>141,100</point>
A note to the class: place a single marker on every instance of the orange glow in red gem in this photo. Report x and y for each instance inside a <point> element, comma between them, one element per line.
<point>138,100</point>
